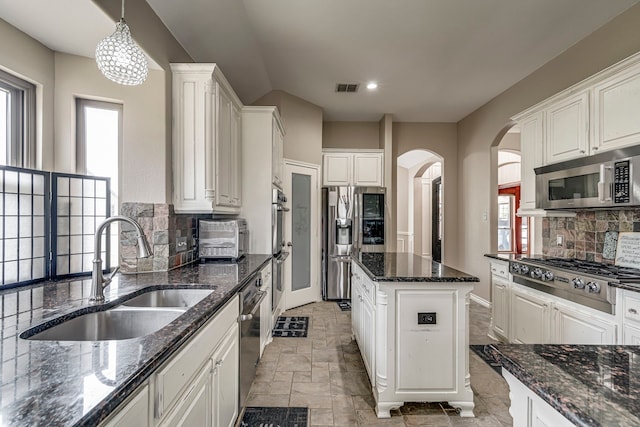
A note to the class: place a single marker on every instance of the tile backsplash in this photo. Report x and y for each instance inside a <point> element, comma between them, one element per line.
<point>583,237</point>
<point>161,227</point>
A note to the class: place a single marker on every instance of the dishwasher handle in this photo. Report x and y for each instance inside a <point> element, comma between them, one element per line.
<point>256,307</point>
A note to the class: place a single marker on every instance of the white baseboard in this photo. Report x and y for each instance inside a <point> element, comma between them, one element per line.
<point>483,302</point>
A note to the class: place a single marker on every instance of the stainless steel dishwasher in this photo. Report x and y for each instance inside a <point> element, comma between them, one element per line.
<point>250,298</point>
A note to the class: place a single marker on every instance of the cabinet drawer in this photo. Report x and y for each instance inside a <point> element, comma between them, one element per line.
<point>176,374</point>
<point>500,269</point>
<point>631,307</point>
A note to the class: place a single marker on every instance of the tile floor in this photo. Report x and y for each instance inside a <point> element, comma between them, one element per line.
<point>325,373</point>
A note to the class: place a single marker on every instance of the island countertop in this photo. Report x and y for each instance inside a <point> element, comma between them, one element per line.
<point>590,385</point>
<point>407,267</point>
<point>79,383</point>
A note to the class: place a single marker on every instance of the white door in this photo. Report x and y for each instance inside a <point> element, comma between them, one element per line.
<point>302,234</point>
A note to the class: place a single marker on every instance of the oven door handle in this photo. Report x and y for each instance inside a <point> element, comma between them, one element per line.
<point>283,209</point>
<point>249,316</point>
<point>283,255</point>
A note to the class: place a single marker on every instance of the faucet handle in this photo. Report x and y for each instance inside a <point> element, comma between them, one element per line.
<point>113,274</point>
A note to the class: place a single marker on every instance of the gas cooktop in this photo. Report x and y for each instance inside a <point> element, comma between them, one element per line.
<point>581,281</point>
<point>600,269</point>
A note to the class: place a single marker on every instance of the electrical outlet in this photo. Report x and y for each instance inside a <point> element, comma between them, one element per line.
<point>181,244</point>
<point>559,240</point>
<point>427,318</point>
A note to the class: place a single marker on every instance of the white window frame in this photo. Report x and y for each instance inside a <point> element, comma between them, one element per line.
<point>21,125</point>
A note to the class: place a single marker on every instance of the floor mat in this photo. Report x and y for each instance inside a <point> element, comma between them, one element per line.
<point>294,327</point>
<point>345,305</point>
<point>479,350</point>
<point>283,417</point>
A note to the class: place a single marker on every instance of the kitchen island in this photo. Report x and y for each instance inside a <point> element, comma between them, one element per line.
<point>564,385</point>
<point>81,383</point>
<point>410,318</point>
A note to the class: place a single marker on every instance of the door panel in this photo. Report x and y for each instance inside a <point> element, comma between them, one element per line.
<point>302,281</point>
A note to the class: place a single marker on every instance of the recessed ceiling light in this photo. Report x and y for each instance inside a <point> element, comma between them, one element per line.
<point>372,85</point>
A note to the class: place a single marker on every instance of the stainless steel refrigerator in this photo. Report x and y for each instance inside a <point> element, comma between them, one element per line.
<point>353,219</point>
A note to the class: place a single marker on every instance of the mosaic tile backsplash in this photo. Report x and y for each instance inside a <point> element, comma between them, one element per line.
<point>585,235</point>
<point>161,227</point>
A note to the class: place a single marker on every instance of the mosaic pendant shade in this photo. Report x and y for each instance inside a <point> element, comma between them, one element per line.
<point>119,58</point>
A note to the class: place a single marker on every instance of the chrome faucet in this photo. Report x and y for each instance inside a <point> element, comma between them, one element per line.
<point>98,282</point>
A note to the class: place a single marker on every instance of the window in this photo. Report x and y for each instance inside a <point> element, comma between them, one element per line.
<point>505,223</point>
<point>98,141</point>
<point>17,121</point>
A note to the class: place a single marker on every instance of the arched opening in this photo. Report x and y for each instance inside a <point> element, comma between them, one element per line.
<point>510,233</point>
<point>420,219</point>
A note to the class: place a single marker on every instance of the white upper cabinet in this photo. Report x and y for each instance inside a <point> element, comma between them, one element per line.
<point>361,168</point>
<point>567,128</point>
<point>616,108</point>
<point>207,159</point>
<point>531,157</point>
<point>277,147</point>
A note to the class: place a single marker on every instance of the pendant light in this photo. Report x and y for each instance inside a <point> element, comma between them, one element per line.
<point>119,58</point>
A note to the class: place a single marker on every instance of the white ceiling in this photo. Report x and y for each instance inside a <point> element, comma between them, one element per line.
<point>434,60</point>
<point>414,158</point>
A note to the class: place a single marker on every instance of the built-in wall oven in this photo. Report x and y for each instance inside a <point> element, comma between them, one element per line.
<point>278,208</point>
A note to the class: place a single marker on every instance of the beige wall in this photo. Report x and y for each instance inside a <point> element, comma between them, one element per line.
<point>302,122</point>
<point>352,135</point>
<point>402,199</point>
<point>478,132</point>
<point>143,157</point>
<point>439,138</point>
<point>27,58</point>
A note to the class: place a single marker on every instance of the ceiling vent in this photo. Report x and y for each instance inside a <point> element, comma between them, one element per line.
<point>347,87</point>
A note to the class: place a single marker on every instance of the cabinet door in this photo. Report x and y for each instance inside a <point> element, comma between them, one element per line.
<point>134,414</point>
<point>225,380</point>
<point>531,157</point>
<point>567,129</point>
<point>368,338</point>
<point>631,334</point>
<point>224,149</point>
<point>265,313</point>
<point>529,318</point>
<point>194,408</point>
<point>500,307</point>
<point>336,168</point>
<point>277,149</point>
<point>356,304</point>
<point>616,106</point>
<point>236,157</point>
<point>575,327</point>
<point>368,169</point>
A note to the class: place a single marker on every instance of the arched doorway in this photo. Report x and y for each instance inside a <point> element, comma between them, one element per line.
<point>419,189</point>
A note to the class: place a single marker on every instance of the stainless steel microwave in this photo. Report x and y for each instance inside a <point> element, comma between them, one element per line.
<point>606,180</point>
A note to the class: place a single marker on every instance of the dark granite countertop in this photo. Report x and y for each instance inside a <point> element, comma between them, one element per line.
<point>65,383</point>
<point>510,257</point>
<point>590,385</point>
<point>406,267</point>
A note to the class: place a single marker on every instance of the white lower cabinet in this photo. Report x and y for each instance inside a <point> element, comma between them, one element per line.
<point>530,317</point>
<point>573,326</point>
<point>363,317</point>
<point>629,314</point>
<point>528,409</point>
<point>265,308</point>
<point>499,327</point>
<point>199,385</point>
<point>134,412</point>
<point>224,380</point>
<point>193,407</point>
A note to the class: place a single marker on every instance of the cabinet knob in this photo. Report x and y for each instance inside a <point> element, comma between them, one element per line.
<point>582,151</point>
<point>595,148</point>
<point>633,311</point>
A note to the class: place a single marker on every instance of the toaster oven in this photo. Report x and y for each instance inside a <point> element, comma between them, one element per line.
<point>223,239</point>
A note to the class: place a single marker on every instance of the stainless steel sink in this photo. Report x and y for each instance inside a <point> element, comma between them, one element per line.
<point>182,298</point>
<point>114,324</point>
